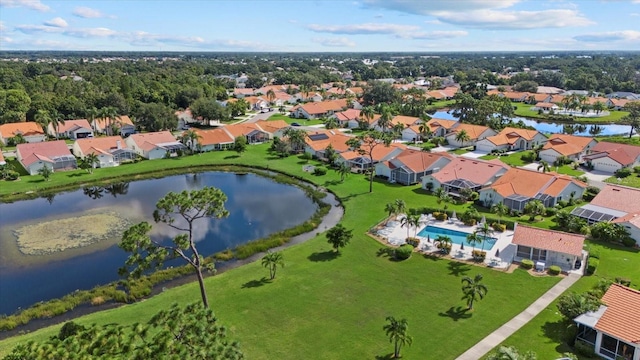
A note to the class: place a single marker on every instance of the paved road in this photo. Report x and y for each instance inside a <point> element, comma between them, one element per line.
<point>497,337</point>
<point>262,116</point>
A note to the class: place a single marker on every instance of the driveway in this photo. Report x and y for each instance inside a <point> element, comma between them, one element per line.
<point>474,154</point>
<point>262,116</point>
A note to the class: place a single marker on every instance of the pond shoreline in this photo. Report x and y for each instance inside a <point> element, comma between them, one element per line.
<point>333,216</point>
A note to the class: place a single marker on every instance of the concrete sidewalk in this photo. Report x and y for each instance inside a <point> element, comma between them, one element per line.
<point>495,338</point>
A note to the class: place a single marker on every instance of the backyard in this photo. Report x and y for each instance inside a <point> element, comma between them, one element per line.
<point>339,301</point>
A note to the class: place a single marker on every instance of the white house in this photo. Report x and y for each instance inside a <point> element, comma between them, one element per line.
<point>212,140</point>
<point>611,157</point>
<point>410,166</point>
<point>548,247</point>
<point>570,146</point>
<point>463,173</point>
<point>474,133</point>
<point>631,222</point>
<point>154,145</point>
<point>110,150</point>
<point>511,139</point>
<point>123,123</point>
<point>614,329</point>
<point>72,129</point>
<point>53,154</point>
<point>32,132</point>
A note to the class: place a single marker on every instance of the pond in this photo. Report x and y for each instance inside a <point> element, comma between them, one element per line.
<point>550,128</point>
<point>52,246</point>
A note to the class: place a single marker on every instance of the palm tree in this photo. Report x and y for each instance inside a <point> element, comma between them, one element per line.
<point>500,209</point>
<point>271,95</point>
<point>43,118</point>
<point>92,160</point>
<point>368,113</point>
<point>296,138</point>
<point>486,232</point>
<point>109,114</point>
<point>633,119</point>
<point>462,137</point>
<point>406,221</point>
<point>401,206</point>
<point>385,117</point>
<point>442,197</point>
<point>473,239</point>
<point>397,330</point>
<point>444,243</point>
<point>534,208</point>
<point>92,115</point>
<point>331,123</point>
<point>473,289</point>
<point>271,261</point>
<point>344,170</point>
<point>57,119</point>
<point>46,172</point>
<point>391,209</point>
<point>425,131</point>
<point>544,166</point>
<point>191,139</point>
<point>598,107</point>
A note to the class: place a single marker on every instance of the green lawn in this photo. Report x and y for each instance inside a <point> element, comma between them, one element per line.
<point>290,120</point>
<point>633,180</point>
<point>545,333</point>
<point>568,170</point>
<point>524,110</point>
<point>514,159</point>
<point>327,306</point>
<point>459,151</point>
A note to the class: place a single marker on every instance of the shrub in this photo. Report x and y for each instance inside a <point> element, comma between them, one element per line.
<point>554,270</point>
<point>478,255</point>
<point>475,196</point>
<point>98,300</point>
<point>526,264</point>
<point>529,156</point>
<point>623,281</point>
<point>319,171</point>
<point>428,146</point>
<point>584,349</point>
<point>444,248</point>
<point>550,211</point>
<point>623,172</point>
<point>592,266</point>
<point>441,216</point>
<point>413,241</point>
<point>469,222</point>
<point>636,169</point>
<point>594,254</point>
<point>11,175</point>
<point>404,252</point>
<point>563,204</point>
<point>499,227</point>
<point>628,242</point>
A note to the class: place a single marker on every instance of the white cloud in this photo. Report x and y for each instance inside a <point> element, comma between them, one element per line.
<point>57,22</point>
<point>625,35</point>
<point>334,42</point>
<point>30,4</point>
<point>3,27</point>
<point>435,35</point>
<point>33,29</point>
<point>5,39</point>
<point>88,13</point>
<point>428,7</point>
<point>74,32</point>
<point>496,20</point>
<point>365,29</point>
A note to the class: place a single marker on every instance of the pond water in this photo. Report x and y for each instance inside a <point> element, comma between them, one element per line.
<point>258,206</point>
<point>550,128</point>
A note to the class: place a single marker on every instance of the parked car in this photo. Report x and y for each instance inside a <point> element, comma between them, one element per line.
<point>295,124</point>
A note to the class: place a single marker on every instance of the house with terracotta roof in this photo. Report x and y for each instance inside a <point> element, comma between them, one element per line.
<point>511,139</point>
<point>154,145</point>
<point>617,104</point>
<point>614,329</point>
<point>252,132</point>
<point>31,131</point>
<point>362,161</point>
<point>406,121</point>
<point>548,247</point>
<point>72,129</point>
<point>516,187</point>
<point>474,132</point>
<point>463,173</point>
<point>619,204</point>
<point>242,92</point>
<point>273,127</point>
<point>410,166</point>
<point>315,110</point>
<point>317,142</point>
<point>611,157</point>
<point>545,106</point>
<point>53,154</point>
<point>111,150</point>
<point>212,140</point>
<point>348,118</point>
<point>122,122</point>
<point>570,146</point>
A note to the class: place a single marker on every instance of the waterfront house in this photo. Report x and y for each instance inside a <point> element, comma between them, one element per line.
<point>31,131</point>
<point>212,139</point>
<point>611,157</point>
<point>475,133</point>
<point>111,150</point>
<point>53,154</point>
<point>154,145</point>
<point>72,129</point>
<point>410,166</point>
<point>463,173</point>
<point>123,123</point>
<point>511,139</point>
<point>570,146</point>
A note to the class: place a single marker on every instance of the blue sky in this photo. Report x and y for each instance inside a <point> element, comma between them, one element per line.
<point>338,25</point>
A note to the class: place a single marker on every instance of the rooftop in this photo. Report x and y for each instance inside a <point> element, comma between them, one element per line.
<point>550,240</point>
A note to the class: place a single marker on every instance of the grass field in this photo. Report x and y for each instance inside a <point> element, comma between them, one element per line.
<point>335,306</point>
<point>290,120</point>
<point>514,159</point>
<point>633,180</point>
<point>545,333</point>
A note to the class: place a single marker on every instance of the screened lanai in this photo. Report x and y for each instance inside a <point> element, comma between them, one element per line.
<point>453,187</point>
<point>594,213</point>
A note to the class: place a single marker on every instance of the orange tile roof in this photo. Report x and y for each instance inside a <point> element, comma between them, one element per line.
<point>32,152</point>
<point>214,136</point>
<point>338,142</point>
<point>509,136</point>
<point>621,319</point>
<point>375,118</point>
<point>619,198</point>
<point>540,97</point>
<point>271,126</point>
<point>545,105</point>
<point>349,114</point>
<point>148,141</point>
<point>379,152</point>
<point>25,128</point>
<point>70,124</point>
<point>530,183</point>
<point>550,240</point>
<point>405,120</point>
<point>322,107</point>
<point>243,91</point>
<point>477,171</point>
<point>631,218</point>
<point>474,131</point>
<point>241,129</point>
<point>621,153</point>
<point>567,144</point>
<point>121,120</point>
<point>99,144</point>
<point>435,123</point>
<point>418,161</point>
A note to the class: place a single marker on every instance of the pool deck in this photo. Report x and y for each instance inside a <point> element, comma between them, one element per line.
<point>396,235</point>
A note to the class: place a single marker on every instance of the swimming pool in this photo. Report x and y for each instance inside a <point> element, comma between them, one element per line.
<point>457,237</point>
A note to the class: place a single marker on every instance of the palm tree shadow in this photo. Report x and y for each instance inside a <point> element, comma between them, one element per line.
<point>231,156</point>
<point>384,357</point>
<point>458,268</point>
<point>456,313</point>
<point>324,256</point>
<point>255,283</point>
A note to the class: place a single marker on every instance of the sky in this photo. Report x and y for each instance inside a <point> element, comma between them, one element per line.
<point>320,26</point>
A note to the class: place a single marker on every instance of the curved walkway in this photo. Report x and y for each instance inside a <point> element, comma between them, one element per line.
<point>503,332</point>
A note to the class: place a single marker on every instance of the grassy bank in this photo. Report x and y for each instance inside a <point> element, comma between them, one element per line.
<point>524,110</point>
<point>339,301</point>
